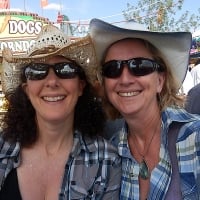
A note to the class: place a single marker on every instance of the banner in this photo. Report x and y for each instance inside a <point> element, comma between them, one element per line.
<point>4,4</point>
<point>44,3</point>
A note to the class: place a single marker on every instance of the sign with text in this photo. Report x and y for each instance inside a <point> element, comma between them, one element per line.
<point>19,29</point>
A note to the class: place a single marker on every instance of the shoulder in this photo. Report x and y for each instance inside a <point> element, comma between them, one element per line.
<point>195,89</point>
<point>196,67</point>
<point>8,149</point>
<point>179,115</point>
<point>191,122</point>
<point>193,126</point>
<point>189,132</point>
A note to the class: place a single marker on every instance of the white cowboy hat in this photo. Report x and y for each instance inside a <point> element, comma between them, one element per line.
<point>174,46</point>
<point>51,41</point>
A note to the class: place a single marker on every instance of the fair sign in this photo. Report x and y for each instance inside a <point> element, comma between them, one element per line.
<point>19,29</point>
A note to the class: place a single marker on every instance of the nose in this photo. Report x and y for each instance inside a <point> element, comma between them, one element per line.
<point>126,76</point>
<point>52,80</point>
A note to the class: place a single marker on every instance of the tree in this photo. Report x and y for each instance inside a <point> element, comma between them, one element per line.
<point>164,15</point>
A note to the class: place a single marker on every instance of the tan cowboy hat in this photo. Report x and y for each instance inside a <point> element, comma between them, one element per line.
<point>51,41</point>
<point>174,46</point>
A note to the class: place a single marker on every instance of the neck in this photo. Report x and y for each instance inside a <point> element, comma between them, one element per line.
<point>145,148</point>
<point>53,146</point>
<point>141,122</point>
<point>141,137</point>
<point>54,137</point>
<point>143,127</point>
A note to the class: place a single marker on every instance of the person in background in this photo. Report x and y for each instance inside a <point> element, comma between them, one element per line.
<point>141,73</point>
<point>195,72</point>
<point>187,84</point>
<point>192,102</point>
<point>51,145</point>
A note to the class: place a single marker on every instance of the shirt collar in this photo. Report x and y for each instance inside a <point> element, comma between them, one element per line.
<point>82,143</point>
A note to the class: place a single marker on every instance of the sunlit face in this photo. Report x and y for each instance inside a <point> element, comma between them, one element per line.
<point>54,99</point>
<point>128,93</point>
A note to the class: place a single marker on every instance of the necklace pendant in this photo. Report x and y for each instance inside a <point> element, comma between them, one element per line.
<point>144,170</point>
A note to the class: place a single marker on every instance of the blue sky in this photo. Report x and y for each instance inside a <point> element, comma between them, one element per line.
<point>108,10</point>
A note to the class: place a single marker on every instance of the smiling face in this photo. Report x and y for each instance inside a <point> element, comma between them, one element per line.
<point>54,99</point>
<point>131,94</point>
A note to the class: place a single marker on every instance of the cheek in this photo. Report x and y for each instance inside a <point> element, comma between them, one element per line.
<point>153,83</point>
<point>80,88</point>
<point>107,89</point>
<point>108,84</point>
<point>74,86</point>
<point>32,89</point>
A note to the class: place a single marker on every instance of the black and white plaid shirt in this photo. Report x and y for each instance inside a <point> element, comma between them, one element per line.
<point>92,172</point>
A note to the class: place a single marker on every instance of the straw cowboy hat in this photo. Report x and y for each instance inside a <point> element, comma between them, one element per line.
<point>174,46</point>
<point>50,42</point>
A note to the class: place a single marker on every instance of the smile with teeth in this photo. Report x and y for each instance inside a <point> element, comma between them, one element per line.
<point>128,94</point>
<point>53,99</point>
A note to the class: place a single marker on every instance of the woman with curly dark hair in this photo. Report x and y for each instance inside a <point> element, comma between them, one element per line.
<point>51,145</point>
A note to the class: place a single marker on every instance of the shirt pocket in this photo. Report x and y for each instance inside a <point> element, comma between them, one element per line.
<point>94,180</point>
<point>84,181</point>
<point>77,192</point>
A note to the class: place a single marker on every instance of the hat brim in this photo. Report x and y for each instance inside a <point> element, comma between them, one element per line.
<point>174,46</point>
<point>80,51</point>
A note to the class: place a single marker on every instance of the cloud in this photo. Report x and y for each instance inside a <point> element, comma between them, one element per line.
<point>53,6</point>
<point>13,9</point>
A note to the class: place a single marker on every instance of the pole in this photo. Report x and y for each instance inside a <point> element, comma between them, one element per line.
<point>24,6</point>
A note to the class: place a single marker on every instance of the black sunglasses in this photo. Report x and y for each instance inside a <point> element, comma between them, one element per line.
<point>64,70</point>
<point>137,67</point>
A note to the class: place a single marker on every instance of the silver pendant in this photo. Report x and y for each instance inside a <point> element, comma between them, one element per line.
<point>144,170</point>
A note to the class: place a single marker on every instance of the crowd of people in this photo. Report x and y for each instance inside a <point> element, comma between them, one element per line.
<point>100,118</point>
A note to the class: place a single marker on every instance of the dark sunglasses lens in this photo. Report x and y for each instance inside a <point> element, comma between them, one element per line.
<point>141,67</point>
<point>36,71</point>
<point>66,70</point>
<point>111,69</point>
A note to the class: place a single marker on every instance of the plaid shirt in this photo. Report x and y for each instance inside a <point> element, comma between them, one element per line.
<point>93,170</point>
<point>188,156</point>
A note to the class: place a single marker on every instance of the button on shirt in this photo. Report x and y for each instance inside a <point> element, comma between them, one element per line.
<point>188,155</point>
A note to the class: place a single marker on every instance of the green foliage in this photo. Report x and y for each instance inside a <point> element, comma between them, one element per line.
<point>162,15</point>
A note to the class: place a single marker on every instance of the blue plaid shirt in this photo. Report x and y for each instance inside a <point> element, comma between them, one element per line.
<point>93,170</point>
<point>188,156</point>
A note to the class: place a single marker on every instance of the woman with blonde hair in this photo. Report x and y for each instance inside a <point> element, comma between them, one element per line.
<point>159,143</point>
